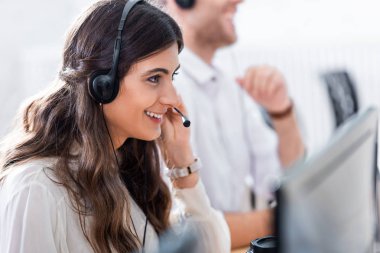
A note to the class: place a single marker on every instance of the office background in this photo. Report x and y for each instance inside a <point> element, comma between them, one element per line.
<point>303,38</point>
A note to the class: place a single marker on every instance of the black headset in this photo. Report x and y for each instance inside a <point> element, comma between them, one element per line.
<point>104,84</point>
<point>185,4</point>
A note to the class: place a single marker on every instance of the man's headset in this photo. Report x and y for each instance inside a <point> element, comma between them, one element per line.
<point>104,84</point>
<point>185,4</point>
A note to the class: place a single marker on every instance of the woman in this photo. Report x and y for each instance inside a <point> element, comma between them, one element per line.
<point>82,173</point>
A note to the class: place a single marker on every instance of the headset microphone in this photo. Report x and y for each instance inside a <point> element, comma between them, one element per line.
<point>185,121</point>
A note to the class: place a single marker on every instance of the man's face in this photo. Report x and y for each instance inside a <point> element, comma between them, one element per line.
<point>213,21</point>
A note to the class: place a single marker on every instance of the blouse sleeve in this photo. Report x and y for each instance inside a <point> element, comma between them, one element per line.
<point>27,221</point>
<point>212,232</point>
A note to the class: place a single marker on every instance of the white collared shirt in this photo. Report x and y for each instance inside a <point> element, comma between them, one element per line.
<point>237,149</point>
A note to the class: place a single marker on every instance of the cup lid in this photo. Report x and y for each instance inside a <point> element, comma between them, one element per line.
<point>267,244</point>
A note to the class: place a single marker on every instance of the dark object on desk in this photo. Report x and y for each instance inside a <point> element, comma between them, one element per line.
<point>181,238</point>
<point>266,244</point>
<point>328,204</point>
<point>342,94</point>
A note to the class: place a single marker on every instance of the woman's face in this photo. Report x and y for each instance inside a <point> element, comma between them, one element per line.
<point>145,94</point>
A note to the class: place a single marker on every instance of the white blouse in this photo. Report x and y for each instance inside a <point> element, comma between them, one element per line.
<point>36,215</point>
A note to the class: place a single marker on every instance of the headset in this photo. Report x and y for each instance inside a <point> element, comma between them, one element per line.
<point>104,84</point>
<point>185,4</point>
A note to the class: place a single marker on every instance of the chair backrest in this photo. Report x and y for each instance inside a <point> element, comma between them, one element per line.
<point>342,94</point>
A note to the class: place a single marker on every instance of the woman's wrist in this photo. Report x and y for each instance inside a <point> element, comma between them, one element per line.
<point>186,182</point>
<point>178,172</point>
<point>187,176</point>
<point>181,159</point>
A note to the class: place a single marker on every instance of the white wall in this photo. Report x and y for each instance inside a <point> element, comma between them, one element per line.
<point>308,22</point>
<point>304,38</point>
<point>32,34</point>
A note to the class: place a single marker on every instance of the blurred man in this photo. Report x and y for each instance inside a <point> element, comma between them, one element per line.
<point>228,132</point>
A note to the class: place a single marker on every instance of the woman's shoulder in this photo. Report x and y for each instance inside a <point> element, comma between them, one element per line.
<point>37,173</point>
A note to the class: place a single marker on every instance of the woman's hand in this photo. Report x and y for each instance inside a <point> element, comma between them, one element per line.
<point>175,139</point>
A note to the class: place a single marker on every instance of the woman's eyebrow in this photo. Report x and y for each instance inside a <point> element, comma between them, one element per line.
<point>155,70</point>
<point>162,70</point>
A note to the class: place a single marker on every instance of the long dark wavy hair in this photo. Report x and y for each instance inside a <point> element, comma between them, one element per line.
<point>66,123</point>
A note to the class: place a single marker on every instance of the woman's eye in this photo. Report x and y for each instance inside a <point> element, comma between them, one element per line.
<point>154,79</point>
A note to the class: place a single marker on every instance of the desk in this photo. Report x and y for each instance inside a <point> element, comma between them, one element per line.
<point>241,250</point>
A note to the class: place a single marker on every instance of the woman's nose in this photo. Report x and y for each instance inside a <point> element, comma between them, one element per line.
<point>169,96</point>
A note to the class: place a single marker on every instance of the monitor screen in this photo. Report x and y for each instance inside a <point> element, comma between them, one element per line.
<point>328,203</point>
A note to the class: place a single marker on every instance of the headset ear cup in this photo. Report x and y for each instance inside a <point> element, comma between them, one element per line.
<point>102,88</point>
<point>185,4</point>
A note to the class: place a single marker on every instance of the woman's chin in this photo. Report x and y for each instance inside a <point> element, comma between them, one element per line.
<point>151,137</point>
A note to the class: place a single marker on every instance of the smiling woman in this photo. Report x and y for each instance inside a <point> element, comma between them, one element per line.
<point>145,95</point>
<point>82,172</point>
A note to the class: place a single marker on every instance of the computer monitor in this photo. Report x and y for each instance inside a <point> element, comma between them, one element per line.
<point>328,203</point>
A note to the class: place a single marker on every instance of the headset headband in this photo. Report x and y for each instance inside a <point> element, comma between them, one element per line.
<point>120,29</point>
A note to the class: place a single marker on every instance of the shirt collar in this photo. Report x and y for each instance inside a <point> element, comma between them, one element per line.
<point>201,72</point>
